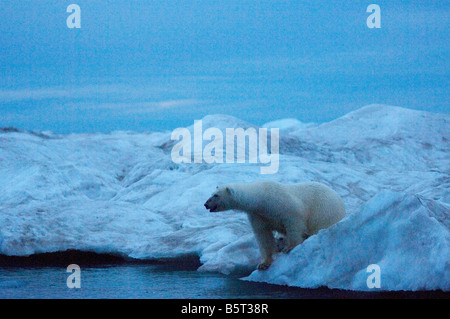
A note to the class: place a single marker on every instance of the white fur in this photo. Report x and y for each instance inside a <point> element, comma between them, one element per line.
<point>296,211</point>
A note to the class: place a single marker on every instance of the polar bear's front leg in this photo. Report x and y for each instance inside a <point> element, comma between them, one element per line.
<point>265,239</point>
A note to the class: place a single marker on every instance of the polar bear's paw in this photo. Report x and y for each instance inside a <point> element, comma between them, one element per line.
<point>286,249</point>
<point>264,266</point>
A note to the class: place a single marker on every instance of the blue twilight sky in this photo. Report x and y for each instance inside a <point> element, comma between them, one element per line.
<point>156,65</point>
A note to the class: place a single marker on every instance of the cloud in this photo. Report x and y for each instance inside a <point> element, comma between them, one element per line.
<point>178,103</point>
<point>32,94</point>
<point>82,92</point>
<point>121,98</point>
<point>136,107</point>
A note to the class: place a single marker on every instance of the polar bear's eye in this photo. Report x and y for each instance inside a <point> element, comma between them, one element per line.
<point>216,195</point>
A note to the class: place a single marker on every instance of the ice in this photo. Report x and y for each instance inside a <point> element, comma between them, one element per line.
<point>120,193</point>
<point>289,125</point>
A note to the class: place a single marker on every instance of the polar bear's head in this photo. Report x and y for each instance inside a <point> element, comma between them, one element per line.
<point>220,200</point>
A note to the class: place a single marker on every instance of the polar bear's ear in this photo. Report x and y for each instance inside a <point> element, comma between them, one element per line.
<point>229,190</point>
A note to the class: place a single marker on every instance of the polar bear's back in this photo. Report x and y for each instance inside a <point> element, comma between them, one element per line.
<point>324,207</point>
<point>312,204</point>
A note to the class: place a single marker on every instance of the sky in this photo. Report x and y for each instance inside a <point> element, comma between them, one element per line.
<point>158,65</point>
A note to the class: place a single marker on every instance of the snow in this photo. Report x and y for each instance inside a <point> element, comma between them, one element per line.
<point>120,193</point>
<point>288,125</point>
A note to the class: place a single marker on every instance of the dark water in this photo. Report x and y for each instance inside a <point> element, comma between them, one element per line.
<point>103,276</point>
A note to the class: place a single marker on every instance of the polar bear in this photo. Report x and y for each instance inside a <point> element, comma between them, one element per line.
<point>296,211</point>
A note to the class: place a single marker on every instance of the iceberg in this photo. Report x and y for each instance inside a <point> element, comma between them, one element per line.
<point>121,194</point>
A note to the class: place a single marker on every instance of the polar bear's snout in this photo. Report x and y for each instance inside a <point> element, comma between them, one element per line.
<point>211,206</point>
<point>215,203</point>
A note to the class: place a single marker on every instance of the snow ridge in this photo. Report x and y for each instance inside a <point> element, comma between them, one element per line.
<point>120,193</point>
